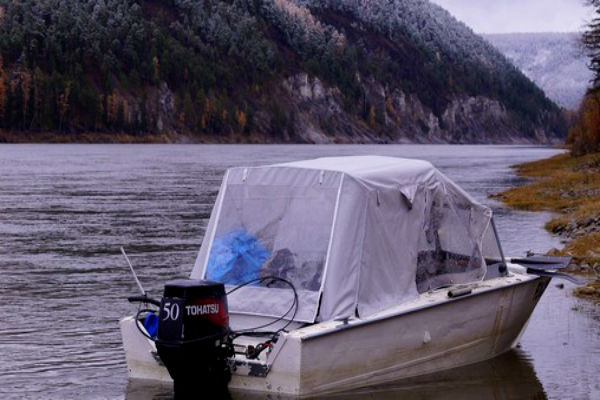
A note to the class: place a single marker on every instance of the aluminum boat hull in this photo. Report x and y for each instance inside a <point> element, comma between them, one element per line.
<point>433,333</point>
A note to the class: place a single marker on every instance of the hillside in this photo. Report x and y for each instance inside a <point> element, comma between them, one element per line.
<point>259,71</point>
<point>554,61</point>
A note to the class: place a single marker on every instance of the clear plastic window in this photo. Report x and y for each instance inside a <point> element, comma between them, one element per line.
<point>277,231</point>
<point>272,231</point>
<point>448,251</point>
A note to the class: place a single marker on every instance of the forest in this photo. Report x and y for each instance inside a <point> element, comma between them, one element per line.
<point>213,67</point>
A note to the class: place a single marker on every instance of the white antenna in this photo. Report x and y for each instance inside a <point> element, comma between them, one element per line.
<point>133,272</point>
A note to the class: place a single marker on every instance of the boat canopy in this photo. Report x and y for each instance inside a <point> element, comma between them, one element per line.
<point>354,235</point>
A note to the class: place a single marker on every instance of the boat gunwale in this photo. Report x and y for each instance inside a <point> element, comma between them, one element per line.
<point>346,325</point>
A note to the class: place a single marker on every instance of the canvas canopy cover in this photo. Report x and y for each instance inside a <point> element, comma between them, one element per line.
<point>355,235</point>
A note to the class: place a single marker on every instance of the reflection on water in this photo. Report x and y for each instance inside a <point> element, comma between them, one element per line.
<point>66,209</point>
<point>510,376</point>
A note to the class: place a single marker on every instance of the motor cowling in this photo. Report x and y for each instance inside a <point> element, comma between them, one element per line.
<point>193,331</point>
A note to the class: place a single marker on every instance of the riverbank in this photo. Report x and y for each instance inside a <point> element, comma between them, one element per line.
<point>82,137</point>
<point>174,137</point>
<point>14,137</point>
<point>570,187</point>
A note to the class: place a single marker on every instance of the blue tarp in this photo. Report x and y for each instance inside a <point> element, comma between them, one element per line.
<point>151,324</point>
<point>236,258</point>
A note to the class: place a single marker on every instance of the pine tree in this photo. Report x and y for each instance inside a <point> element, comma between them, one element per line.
<point>591,41</point>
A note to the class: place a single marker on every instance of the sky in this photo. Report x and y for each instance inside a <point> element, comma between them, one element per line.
<point>504,16</point>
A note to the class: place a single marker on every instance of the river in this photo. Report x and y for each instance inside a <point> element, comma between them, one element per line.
<point>66,209</point>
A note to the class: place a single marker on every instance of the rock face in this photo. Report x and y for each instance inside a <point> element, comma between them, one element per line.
<point>315,105</point>
<point>321,118</point>
<point>166,107</point>
<point>477,120</point>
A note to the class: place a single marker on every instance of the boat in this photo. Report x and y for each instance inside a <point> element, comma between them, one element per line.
<point>324,275</point>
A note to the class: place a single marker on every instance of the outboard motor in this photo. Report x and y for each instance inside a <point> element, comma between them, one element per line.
<point>193,336</point>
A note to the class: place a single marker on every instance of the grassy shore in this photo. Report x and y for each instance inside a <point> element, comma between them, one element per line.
<point>570,187</point>
<point>147,138</point>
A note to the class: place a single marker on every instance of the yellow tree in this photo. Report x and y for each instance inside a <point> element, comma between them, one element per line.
<point>111,107</point>
<point>240,117</point>
<point>584,135</point>
<point>372,116</point>
<point>591,121</point>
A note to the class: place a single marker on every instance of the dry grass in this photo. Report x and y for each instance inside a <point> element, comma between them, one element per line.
<point>585,246</point>
<point>569,186</point>
<point>590,291</point>
<point>561,183</point>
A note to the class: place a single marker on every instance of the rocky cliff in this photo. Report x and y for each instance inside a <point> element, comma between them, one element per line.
<point>321,118</point>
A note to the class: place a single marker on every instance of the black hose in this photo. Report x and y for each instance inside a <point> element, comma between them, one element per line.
<point>143,299</point>
<point>295,305</point>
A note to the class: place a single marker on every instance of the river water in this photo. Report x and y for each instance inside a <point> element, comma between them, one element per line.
<point>66,209</point>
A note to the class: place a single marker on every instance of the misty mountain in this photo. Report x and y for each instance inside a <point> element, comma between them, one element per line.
<point>261,71</point>
<point>554,61</point>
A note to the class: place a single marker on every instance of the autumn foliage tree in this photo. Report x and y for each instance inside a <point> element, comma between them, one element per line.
<point>584,135</point>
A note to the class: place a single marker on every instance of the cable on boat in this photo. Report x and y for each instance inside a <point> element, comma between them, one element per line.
<point>295,305</point>
<point>253,352</point>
